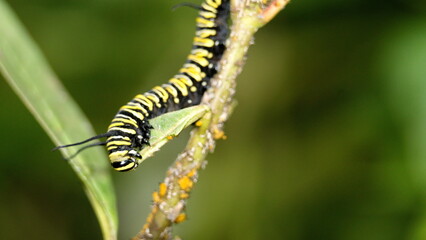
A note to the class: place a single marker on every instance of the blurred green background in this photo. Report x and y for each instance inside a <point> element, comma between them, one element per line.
<point>328,140</point>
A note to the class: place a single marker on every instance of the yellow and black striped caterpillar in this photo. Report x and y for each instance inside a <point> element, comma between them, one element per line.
<point>130,130</point>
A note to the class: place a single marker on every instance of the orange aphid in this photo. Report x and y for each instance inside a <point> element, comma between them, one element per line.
<point>156,197</point>
<point>192,173</point>
<point>219,134</point>
<point>163,190</point>
<point>185,183</point>
<point>180,218</point>
<point>199,123</point>
<point>184,196</point>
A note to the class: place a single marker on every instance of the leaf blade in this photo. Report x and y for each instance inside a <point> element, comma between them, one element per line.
<point>29,75</point>
<point>170,125</point>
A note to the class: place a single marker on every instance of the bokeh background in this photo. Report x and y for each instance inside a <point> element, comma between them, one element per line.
<point>328,140</point>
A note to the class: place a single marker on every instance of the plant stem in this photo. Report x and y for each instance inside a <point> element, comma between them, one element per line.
<point>170,200</point>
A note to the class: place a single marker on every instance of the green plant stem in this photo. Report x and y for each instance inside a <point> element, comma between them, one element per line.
<point>170,199</point>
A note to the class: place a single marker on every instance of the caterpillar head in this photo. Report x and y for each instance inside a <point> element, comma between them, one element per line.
<point>125,160</point>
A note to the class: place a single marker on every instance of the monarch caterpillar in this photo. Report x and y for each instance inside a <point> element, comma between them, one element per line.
<point>129,131</point>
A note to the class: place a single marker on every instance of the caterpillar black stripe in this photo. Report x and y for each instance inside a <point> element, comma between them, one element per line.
<point>130,130</point>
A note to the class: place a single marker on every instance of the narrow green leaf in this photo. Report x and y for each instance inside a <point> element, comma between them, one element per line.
<point>169,125</point>
<point>30,76</point>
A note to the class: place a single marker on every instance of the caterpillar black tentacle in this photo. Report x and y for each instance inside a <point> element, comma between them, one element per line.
<point>130,130</point>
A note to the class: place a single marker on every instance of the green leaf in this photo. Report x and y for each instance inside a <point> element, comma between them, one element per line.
<point>30,76</point>
<point>169,125</point>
